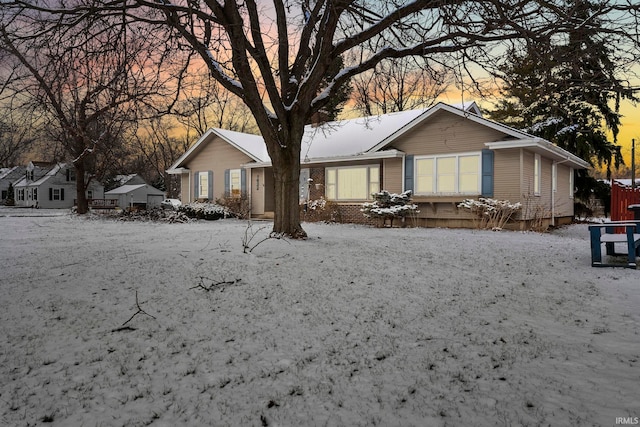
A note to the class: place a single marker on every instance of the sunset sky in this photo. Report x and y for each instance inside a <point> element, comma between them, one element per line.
<point>630,129</point>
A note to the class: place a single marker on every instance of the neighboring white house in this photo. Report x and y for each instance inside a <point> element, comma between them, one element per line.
<point>9,176</point>
<point>136,195</point>
<point>51,186</point>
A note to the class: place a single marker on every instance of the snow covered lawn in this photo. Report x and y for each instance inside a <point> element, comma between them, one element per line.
<point>355,326</point>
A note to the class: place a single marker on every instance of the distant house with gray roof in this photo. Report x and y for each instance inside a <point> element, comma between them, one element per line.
<point>51,185</point>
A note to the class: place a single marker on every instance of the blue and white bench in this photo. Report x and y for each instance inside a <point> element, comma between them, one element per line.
<point>631,237</point>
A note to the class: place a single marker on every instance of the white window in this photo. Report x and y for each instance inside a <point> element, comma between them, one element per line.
<point>352,183</point>
<point>203,185</point>
<point>571,184</point>
<point>448,174</point>
<point>537,174</point>
<point>235,183</point>
<point>56,194</point>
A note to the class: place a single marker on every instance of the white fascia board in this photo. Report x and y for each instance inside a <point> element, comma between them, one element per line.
<point>177,171</point>
<point>544,147</point>
<point>387,154</point>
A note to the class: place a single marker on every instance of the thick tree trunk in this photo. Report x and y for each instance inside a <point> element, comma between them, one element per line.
<point>286,174</point>
<point>82,204</point>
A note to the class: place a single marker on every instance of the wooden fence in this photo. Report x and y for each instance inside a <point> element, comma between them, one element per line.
<point>621,197</point>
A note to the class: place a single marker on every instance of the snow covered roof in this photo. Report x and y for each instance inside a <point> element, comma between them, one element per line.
<point>53,169</point>
<point>128,188</point>
<point>12,174</point>
<point>251,145</point>
<point>369,137</point>
<point>352,137</point>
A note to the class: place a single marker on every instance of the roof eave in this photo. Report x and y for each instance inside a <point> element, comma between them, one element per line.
<point>387,154</point>
<point>542,146</point>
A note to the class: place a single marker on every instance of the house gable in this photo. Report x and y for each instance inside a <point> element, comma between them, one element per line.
<point>214,158</point>
<point>444,133</point>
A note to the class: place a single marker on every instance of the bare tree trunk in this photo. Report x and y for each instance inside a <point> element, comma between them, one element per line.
<point>286,173</point>
<point>82,204</point>
<point>285,158</point>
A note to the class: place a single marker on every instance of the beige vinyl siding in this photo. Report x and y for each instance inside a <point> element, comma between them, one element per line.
<point>545,189</point>
<point>216,156</point>
<point>446,133</point>
<point>535,205</point>
<point>186,194</point>
<point>564,203</point>
<point>506,175</point>
<point>392,175</point>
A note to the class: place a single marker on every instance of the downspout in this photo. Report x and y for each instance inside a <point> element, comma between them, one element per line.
<point>554,179</point>
<point>403,173</point>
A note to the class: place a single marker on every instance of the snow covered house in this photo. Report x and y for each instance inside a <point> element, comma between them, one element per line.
<point>51,186</point>
<point>444,154</point>
<point>9,176</point>
<point>142,196</point>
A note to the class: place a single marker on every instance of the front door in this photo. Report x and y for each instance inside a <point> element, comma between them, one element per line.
<point>257,191</point>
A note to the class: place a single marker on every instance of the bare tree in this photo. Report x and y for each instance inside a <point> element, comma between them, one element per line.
<point>275,54</point>
<point>157,150</point>
<point>88,81</point>
<point>207,104</point>
<point>399,85</point>
<point>15,126</point>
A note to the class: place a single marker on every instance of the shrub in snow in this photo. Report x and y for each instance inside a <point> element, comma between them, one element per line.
<point>320,210</point>
<point>238,205</point>
<point>390,206</point>
<point>492,213</point>
<point>209,211</point>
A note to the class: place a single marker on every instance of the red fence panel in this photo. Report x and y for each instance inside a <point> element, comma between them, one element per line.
<point>621,197</point>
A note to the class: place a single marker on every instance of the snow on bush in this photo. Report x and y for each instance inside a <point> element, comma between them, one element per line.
<point>390,205</point>
<point>318,204</point>
<point>208,211</point>
<point>493,214</point>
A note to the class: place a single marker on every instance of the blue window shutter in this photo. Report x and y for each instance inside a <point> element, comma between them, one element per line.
<point>50,193</point>
<point>408,173</point>
<point>227,182</point>
<point>243,181</point>
<point>210,185</point>
<point>487,173</point>
<point>62,194</point>
<point>196,185</point>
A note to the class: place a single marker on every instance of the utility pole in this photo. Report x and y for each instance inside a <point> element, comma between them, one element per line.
<point>633,164</point>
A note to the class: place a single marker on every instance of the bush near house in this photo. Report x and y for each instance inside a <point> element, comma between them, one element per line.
<point>320,210</point>
<point>238,205</point>
<point>389,206</point>
<point>208,211</point>
<point>491,213</point>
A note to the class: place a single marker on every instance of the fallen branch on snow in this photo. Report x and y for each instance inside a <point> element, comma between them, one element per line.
<point>124,326</point>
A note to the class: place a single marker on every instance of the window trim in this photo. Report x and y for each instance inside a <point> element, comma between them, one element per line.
<point>239,188</point>
<point>571,183</point>
<point>537,174</point>
<point>335,185</point>
<point>205,176</point>
<point>456,174</point>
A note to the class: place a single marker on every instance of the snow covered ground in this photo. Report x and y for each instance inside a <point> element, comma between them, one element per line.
<point>354,326</point>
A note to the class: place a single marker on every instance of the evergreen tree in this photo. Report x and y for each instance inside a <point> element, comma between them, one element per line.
<point>569,92</point>
<point>11,201</point>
